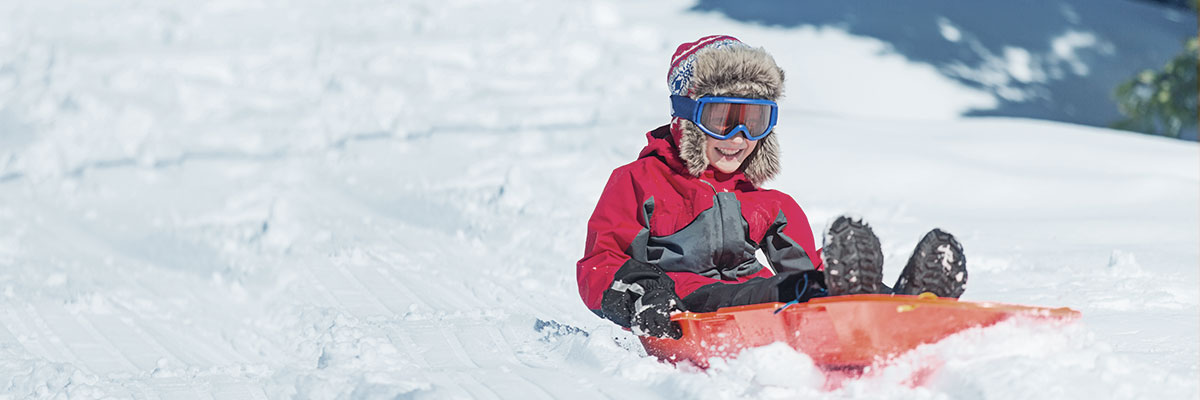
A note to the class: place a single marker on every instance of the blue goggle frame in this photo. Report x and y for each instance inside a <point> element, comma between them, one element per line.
<point>691,110</point>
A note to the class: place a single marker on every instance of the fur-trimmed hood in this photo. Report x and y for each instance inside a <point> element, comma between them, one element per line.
<point>724,66</point>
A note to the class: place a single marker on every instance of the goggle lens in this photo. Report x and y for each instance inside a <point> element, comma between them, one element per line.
<point>722,118</point>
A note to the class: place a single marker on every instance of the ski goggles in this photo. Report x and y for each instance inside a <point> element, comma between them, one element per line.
<point>725,117</point>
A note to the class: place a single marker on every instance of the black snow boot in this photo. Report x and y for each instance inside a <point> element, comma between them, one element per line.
<point>853,259</point>
<point>937,266</point>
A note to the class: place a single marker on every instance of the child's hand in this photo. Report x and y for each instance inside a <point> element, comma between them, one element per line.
<point>652,315</point>
<point>642,298</point>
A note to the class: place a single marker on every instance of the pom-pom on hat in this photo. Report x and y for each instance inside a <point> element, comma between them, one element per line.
<point>721,65</point>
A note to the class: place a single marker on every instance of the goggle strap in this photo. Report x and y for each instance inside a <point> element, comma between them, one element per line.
<point>683,107</point>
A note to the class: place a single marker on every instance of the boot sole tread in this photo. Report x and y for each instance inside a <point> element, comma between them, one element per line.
<point>928,270</point>
<point>853,259</point>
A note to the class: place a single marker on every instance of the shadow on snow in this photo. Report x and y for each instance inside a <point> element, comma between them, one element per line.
<point>1047,59</point>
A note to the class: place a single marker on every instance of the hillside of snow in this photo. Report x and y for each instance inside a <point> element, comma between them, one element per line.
<point>368,199</point>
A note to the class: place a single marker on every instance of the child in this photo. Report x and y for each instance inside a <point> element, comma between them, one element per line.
<point>677,229</point>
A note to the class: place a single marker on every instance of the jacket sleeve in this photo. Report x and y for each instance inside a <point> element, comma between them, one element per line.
<point>611,230</point>
<point>789,244</point>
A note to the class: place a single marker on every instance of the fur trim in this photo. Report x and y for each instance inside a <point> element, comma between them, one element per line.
<point>691,148</point>
<point>737,72</point>
<point>763,163</point>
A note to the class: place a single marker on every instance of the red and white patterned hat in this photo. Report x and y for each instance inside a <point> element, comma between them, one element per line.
<point>683,63</point>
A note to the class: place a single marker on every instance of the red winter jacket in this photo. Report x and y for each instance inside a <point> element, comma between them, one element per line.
<point>700,230</point>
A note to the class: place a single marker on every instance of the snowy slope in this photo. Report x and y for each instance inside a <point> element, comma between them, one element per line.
<point>377,199</point>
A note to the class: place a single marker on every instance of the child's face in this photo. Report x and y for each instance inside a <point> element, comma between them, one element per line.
<point>727,155</point>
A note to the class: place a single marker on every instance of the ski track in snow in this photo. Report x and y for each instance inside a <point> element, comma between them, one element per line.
<point>252,200</point>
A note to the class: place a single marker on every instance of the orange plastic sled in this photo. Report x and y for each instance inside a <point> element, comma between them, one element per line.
<point>844,333</point>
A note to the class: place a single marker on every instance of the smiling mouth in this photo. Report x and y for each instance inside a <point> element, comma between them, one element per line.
<point>729,152</point>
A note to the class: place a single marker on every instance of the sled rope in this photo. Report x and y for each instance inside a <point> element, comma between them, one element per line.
<point>799,294</point>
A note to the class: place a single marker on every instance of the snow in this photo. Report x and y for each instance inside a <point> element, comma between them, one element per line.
<point>251,199</point>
